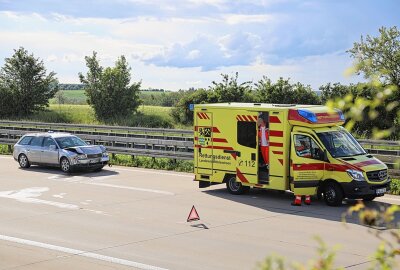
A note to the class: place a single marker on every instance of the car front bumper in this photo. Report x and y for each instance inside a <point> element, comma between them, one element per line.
<point>90,163</point>
<point>360,189</point>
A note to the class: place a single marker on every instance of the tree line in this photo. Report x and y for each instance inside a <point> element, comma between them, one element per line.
<point>26,87</point>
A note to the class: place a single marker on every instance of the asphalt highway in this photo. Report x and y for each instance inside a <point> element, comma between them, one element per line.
<point>132,218</point>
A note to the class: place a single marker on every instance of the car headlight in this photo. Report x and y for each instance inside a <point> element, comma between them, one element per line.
<point>356,175</point>
<point>82,156</point>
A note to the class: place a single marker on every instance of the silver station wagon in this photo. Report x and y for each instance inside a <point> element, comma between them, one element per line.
<point>60,150</point>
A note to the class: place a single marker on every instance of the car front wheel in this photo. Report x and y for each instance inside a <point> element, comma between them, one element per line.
<point>23,161</point>
<point>65,165</point>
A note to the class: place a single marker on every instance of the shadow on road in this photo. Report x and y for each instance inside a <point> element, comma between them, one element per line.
<point>279,202</point>
<point>81,173</point>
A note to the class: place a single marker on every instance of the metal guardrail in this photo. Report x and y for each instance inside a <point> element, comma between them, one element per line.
<point>156,142</point>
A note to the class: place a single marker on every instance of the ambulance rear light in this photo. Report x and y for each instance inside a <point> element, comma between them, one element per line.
<point>308,115</point>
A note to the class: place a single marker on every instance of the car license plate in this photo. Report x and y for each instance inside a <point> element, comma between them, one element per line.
<point>380,191</point>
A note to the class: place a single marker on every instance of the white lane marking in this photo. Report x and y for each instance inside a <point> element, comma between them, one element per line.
<point>82,180</point>
<point>28,195</point>
<point>153,172</point>
<point>61,195</point>
<point>82,253</point>
<point>131,188</point>
<point>6,157</point>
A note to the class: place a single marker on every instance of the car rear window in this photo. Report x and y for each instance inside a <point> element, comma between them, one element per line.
<point>25,140</point>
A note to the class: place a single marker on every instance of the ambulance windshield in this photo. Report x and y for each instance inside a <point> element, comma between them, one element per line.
<point>341,144</point>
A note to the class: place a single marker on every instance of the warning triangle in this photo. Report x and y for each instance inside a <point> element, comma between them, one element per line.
<point>193,216</point>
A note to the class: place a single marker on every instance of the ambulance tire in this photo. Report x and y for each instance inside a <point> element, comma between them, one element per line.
<point>333,194</point>
<point>235,187</point>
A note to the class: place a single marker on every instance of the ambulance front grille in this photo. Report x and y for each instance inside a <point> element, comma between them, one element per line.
<point>377,176</point>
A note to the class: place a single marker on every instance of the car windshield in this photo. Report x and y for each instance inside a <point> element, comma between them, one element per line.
<point>341,143</point>
<point>70,141</point>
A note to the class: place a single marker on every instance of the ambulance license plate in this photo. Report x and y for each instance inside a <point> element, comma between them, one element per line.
<point>380,191</point>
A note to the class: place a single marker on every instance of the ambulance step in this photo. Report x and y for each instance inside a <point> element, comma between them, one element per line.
<point>263,177</point>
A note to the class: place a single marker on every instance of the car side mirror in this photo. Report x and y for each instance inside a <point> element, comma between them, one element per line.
<point>52,147</point>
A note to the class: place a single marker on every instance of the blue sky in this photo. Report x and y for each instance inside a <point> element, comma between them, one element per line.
<point>181,44</point>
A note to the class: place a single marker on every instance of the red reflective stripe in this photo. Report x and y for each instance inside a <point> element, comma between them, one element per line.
<point>214,147</point>
<point>337,167</point>
<point>277,152</point>
<point>237,117</point>
<point>241,177</point>
<point>274,119</point>
<point>366,163</point>
<point>309,167</point>
<point>255,118</point>
<point>203,115</point>
<point>221,140</point>
<point>245,118</point>
<point>276,133</point>
<point>277,144</point>
<point>281,161</point>
<point>207,116</point>
<point>196,138</point>
<point>233,155</point>
<point>240,118</point>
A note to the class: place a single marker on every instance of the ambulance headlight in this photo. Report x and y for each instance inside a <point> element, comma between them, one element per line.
<point>356,175</point>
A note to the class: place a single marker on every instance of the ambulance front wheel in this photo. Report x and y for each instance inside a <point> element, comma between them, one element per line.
<point>333,194</point>
<point>236,187</point>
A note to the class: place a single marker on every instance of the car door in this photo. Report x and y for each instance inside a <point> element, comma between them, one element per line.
<point>307,165</point>
<point>35,150</point>
<point>49,154</point>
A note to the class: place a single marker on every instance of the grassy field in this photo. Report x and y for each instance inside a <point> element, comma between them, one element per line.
<point>147,116</point>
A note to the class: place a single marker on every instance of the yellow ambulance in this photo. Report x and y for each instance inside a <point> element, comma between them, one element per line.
<point>309,152</point>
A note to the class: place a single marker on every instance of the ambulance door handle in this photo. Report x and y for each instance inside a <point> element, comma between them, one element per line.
<point>232,152</point>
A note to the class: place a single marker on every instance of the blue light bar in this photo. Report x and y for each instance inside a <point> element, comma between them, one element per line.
<point>310,116</point>
<point>341,115</point>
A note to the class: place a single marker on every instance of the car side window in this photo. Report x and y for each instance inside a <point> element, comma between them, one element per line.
<point>306,147</point>
<point>37,141</point>
<point>25,140</point>
<point>48,141</point>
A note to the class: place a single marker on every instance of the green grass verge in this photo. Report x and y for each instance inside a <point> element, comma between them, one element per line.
<point>395,187</point>
<point>147,116</point>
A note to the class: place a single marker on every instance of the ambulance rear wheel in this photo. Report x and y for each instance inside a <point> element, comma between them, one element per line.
<point>333,194</point>
<point>236,187</point>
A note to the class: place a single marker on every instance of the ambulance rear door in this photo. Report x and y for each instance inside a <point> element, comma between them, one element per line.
<point>203,142</point>
<point>246,147</point>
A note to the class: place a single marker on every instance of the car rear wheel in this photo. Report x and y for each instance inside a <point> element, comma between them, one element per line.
<point>65,165</point>
<point>23,161</point>
<point>333,194</point>
<point>235,187</point>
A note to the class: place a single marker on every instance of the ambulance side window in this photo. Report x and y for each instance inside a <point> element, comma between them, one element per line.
<point>246,134</point>
<point>306,147</point>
